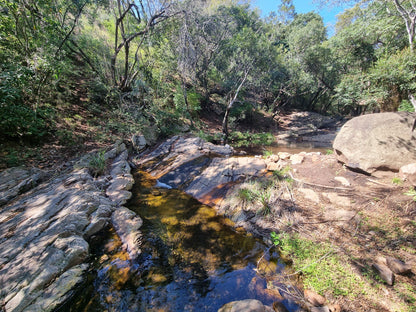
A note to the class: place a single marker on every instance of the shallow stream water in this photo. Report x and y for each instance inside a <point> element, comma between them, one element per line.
<point>191,260</point>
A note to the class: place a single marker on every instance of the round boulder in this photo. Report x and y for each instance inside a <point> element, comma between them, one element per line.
<point>377,142</point>
<point>248,305</point>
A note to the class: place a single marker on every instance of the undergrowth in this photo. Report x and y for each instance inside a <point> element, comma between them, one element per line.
<point>320,266</point>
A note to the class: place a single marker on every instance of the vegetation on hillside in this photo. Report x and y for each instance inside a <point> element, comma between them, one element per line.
<point>119,66</point>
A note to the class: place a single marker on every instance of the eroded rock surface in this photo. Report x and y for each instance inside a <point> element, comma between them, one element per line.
<point>44,245</point>
<point>14,181</point>
<point>198,167</point>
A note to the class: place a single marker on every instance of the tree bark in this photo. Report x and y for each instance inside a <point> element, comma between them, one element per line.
<point>229,106</point>
<point>409,17</point>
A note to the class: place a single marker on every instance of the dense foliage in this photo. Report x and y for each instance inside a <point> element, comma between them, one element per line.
<point>162,64</point>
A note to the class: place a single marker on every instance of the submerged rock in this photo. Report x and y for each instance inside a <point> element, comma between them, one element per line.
<point>249,305</point>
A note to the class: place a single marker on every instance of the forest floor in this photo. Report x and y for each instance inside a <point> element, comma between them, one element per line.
<point>363,219</point>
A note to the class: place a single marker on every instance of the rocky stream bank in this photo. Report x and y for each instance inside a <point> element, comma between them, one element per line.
<point>47,222</point>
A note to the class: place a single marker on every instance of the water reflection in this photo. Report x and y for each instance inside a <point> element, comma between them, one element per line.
<point>191,260</point>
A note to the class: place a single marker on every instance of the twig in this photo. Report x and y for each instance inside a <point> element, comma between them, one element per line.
<point>380,183</point>
<point>322,186</point>
<point>264,253</point>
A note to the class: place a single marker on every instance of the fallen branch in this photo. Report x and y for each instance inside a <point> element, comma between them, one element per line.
<point>322,186</point>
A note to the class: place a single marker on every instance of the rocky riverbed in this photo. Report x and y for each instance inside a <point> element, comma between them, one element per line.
<point>47,221</point>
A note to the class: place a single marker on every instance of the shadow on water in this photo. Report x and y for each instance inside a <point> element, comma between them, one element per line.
<point>191,260</point>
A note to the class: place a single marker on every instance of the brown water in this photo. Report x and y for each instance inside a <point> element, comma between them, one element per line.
<point>191,260</point>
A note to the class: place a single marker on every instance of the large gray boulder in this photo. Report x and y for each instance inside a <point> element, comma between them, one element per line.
<point>374,142</point>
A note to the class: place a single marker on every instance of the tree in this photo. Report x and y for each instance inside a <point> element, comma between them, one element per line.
<point>246,55</point>
<point>134,19</point>
<point>407,11</point>
<point>34,36</point>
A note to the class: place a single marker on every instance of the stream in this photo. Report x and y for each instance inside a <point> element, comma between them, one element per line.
<point>191,260</point>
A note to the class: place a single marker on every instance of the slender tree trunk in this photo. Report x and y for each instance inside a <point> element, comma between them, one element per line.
<point>229,106</point>
<point>409,17</point>
<point>185,97</point>
<point>412,100</point>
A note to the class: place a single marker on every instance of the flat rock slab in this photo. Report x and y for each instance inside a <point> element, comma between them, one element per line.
<point>15,181</point>
<point>185,173</point>
<point>44,246</point>
<point>178,151</point>
<point>43,237</point>
<point>223,171</point>
<point>127,226</point>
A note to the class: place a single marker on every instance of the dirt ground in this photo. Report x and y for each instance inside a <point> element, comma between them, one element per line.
<point>364,218</point>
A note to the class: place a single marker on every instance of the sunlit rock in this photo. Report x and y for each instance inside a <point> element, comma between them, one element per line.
<point>375,142</point>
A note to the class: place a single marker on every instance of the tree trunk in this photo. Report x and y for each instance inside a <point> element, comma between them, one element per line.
<point>185,97</point>
<point>412,100</point>
<point>229,106</point>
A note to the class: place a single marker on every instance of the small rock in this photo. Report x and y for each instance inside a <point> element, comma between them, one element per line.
<point>279,307</point>
<point>274,158</point>
<point>248,305</point>
<point>314,298</point>
<point>320,309</point>
<point>284,155</point>
<point>339,200</point>
<point>334,308</point>
<point>408,172</point>
<point>296,159</point>
<point>398,266</point>
<point>104,258</point>
<point>310,195</point>
<point>139,142</point>
<point>156,192</point>
<point>343,181</point>
<point>272,166</point>
<point>385,273</point>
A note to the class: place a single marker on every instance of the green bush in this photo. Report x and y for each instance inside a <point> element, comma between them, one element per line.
<point>239,139</point>
<point>406,106</point>
<point>19,118</point>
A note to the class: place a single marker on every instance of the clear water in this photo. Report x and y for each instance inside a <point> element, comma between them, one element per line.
<point>191,260</point>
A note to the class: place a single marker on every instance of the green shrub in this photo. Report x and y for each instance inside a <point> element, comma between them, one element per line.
<point>239,139</point>
<point>406,106</point>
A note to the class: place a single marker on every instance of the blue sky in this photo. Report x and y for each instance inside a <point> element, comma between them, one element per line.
<point>301,6</point>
